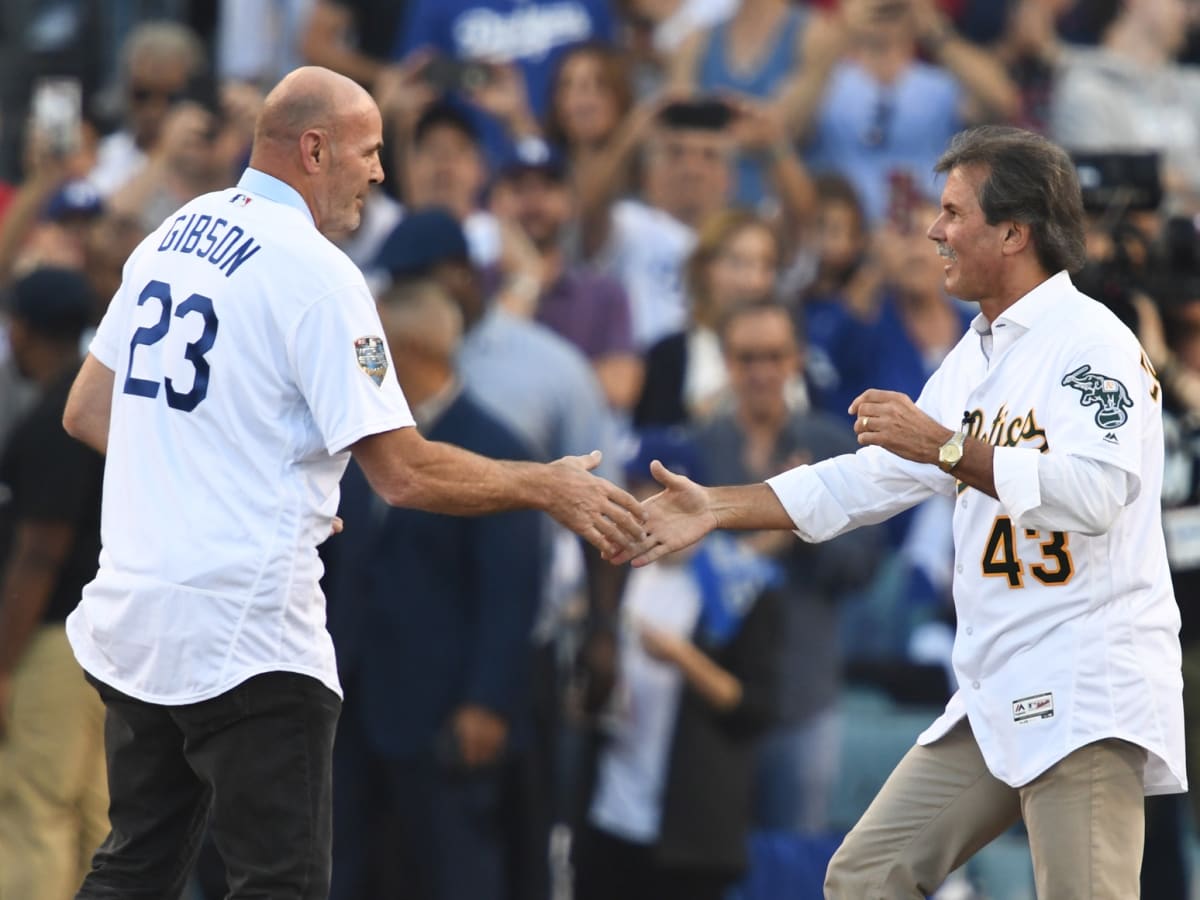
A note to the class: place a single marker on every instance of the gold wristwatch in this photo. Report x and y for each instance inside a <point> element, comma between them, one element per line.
<point>950,454</point>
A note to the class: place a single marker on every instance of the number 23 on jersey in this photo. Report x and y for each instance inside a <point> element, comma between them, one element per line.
<point>193,352</point>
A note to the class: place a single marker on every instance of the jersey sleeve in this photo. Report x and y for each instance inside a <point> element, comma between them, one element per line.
<point>343,368</point>
<point>1100,403</point>
<point>106,342</point>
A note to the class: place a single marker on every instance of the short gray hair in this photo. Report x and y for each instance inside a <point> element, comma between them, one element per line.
<point>1029,180</point>
<point>164,40</point>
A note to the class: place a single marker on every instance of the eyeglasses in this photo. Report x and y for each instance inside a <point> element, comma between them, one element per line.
<point>747,358</point>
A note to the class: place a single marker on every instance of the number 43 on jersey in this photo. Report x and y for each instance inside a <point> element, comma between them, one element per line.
<point>1002,560</point>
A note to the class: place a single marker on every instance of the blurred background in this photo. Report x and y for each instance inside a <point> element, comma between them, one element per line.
<point>691,230</point>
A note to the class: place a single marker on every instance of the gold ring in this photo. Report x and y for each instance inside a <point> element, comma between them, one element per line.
<point>866,419</point>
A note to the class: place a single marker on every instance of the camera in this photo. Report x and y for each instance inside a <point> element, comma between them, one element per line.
<point>445,73</point>
<point>1118,181</point>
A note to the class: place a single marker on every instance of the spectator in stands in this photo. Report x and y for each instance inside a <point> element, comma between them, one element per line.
<point>1129,94</point>
<point>53,793</point>
<point>765,432</point>
<point>700,645</point>
<point>758,53</point>
<point>528,35</point>
<point>354,37</point>
<point>542,388</point>
<point>736,259</point>
<point>160,61</point>
<point>431,617</point>
<point>591,96</point>
<point>687,175</point>
<point>588,309</point>
<point>1031,50</point>
<point>443,166</point>
<point>880,108</point>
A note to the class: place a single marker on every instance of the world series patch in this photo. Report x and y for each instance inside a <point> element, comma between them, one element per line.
<point>1103,391</point>
<point>371,357</point>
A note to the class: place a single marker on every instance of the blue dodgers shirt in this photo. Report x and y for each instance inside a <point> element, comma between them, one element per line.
<point>533,34</point>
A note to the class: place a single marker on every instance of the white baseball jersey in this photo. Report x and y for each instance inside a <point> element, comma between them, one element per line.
<point>248,356</point>
<point>1067,630</point>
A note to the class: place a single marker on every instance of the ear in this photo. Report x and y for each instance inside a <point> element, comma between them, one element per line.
<point>1017,236</point>
<point>314,150</point>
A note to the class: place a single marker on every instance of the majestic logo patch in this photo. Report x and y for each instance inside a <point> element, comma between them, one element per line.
<point>1100,390</point>
<point>371,357</point>
<point>1039,706</point>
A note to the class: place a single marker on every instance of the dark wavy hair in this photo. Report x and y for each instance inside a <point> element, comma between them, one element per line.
<point>1029,180</point>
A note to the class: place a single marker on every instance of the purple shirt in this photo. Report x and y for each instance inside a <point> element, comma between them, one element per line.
<point>591,311</point>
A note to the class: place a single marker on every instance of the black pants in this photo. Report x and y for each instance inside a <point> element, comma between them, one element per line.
<point>258,758</point>
<point>608,868</point>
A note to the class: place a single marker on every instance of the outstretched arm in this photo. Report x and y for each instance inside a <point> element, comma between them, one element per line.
<point>407,470</point>
<point>683,512</point>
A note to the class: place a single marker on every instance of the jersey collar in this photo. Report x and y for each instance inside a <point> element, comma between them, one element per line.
<point>271,188</point>
<point>1023,315</point>
<point>1035,305</point>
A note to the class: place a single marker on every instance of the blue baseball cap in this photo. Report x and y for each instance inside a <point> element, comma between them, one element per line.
<point>423,239</point>
<point>673,447</point>
<point>75,199</point>
<point>53,302</point>
<point>532,155</point>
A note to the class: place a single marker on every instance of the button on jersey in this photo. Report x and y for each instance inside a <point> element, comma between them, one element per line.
<point>248,356</point>
<point>1067,624</point>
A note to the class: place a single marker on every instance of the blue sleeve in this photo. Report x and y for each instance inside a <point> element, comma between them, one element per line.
<point>420,28</point>
<point>602,22</point>
<point>508,562</point>
<point>507,550</point>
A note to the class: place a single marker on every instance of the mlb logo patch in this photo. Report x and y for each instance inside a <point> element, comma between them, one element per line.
<point>371,357</point>
<point>240,199</point>
<point>1038,706</point>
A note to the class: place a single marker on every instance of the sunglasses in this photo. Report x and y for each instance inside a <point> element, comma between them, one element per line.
<point>140,95</point>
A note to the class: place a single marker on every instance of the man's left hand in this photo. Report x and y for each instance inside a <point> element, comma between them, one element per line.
<point>481,734</point>
<point>891,420</point>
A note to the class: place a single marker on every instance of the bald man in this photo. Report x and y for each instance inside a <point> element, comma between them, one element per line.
<point>238,367</point>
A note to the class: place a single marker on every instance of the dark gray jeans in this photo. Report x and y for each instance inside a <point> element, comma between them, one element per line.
<point>257,759</point>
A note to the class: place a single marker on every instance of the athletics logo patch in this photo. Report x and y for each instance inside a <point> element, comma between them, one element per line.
<point>1039,706</point>
<point>371,357</point>
<point>1100,390</point>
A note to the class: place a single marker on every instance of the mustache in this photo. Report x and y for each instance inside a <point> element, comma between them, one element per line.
<point>944,251</point>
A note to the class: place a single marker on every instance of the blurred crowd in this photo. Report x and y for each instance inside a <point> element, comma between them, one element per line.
<point>686,230</point>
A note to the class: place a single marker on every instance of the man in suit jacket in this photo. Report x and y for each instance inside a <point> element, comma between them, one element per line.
<point>431,616</point>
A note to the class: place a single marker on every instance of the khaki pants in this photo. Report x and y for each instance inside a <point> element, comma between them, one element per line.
<point>53,790</point>
<point>1084,816</point>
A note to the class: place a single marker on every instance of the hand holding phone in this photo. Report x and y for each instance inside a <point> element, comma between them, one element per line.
<point>58,114</point>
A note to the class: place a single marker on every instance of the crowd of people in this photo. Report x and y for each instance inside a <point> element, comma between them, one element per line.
<point>692,231</point>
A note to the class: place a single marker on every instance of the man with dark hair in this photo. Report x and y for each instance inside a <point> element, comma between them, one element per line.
<point>52,787</point>
<point>1067,657</point>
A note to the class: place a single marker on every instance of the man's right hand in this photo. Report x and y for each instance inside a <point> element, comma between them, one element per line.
<point>597,510</point>
<point>676,517</point>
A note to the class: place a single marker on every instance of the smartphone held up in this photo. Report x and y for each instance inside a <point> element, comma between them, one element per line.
<point>57,111</point>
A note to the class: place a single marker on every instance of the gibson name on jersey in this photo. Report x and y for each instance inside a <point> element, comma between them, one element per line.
<point>212,239</point>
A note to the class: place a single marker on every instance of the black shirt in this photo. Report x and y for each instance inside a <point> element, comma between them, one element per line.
<point>49,477</point>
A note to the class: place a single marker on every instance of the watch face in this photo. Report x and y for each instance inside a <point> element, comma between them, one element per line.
<point>950,454</point>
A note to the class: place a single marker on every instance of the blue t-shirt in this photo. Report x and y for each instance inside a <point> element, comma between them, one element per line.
<point>865,130</point>
<point>533,34</point>
<point>778,61</point>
